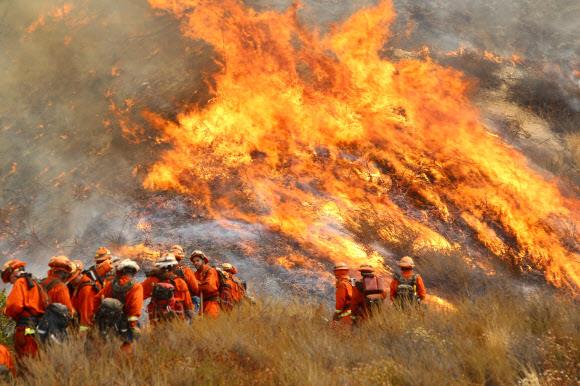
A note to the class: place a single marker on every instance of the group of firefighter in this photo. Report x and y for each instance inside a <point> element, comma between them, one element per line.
<point>357,300</point>
<point>107,299</point>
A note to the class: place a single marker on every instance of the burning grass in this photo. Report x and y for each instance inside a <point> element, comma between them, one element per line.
<point>498,338</point>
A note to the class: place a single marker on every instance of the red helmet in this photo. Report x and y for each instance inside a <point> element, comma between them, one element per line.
<point>61,262</point>
<point>9,267</point>
<point>102,254</point>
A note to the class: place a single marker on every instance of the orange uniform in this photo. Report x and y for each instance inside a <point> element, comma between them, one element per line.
<point>25,303</point>
<point>343,302</point>
<point>84,300</point>
<point>208,280</point>
<point>407,274</point>
<point>359,306</point>
<point>189,278</point>
<point>228,293</point>
<point>6,359</point>
<point>132,299</point>
<point>238,291</point>
<point>58,291</point>
<point>181,294</point>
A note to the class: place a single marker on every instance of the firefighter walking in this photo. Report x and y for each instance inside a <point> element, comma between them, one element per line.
<point>343,296</point>
<point>407,287</point>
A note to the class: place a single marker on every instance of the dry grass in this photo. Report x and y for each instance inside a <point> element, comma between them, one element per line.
<point>496,339</point>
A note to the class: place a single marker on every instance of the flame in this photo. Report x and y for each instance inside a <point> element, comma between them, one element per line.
<point>138,252</point>
<point>322,140</point>
<point>56,14</point>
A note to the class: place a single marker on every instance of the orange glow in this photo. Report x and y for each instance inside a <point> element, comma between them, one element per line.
<point>56,14</point>
<point>320,139</point>
<point>137,252</point>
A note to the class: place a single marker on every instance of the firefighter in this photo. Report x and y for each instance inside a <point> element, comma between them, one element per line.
<point>55,284</point>
<point>407,287</point>
<point>170,300</point>
<point>25,304</point>
<point>102,268</point>
<point>208,280</point>
<point>184,271</point>
<point>84,296</point>
<point>343,311</point>
<point>130,293</point>
<point>368,294</point>
<point>238,286</point>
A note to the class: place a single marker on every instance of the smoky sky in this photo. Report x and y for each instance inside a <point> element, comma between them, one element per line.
<point>73,79</point>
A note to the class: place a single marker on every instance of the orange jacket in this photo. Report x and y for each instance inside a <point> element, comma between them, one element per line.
<point>236,290</point>
<point>181,294</point>
<point>6,359</point>
<point>189,278</point>
<point>208,279</point>
<point>58,291</point>
<point>24,302</point>
<point>421,290</point>
<point>84,300</point>
<point>133,300</point>
<point>343,296</point>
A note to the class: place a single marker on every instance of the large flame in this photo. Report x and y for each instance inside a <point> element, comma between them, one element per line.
<point>321,139</point>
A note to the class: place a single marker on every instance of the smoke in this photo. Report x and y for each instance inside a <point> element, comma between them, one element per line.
<point>71,75</point>
<point>76,76</point>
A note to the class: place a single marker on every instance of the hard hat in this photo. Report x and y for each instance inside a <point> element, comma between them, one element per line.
<point>78,267</point>
<point>127,264</point>
<point>177,250</point>
<point>102,254</point>
<point>341,267</point>
<point>406,262</point>
<point>198,253</point>
<point>229,268</point>
<point>366,268</point>
<point>61,262</point>
<point>9,267</point>
<point>167,260</point>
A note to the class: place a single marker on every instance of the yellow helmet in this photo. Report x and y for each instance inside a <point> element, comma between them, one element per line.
<point>341,267</point>
<point>177,251</point>
<point>406,262</point>
<point>366,268</point>
<point>102,254</point>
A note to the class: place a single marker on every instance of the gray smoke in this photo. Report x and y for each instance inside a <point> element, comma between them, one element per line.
<point>70,179</point>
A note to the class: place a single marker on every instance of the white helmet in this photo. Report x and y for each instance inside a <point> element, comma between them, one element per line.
<point>167,260</point>
<point>127,263</point>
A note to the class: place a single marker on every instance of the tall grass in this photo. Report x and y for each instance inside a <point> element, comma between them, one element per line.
<point>499,338</point>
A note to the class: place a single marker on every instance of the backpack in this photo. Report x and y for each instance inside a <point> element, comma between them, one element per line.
<point>110,318</point>
<point>225,291</point>
<point>373,289</point>
<point>32,282</point>
<point>120,291</point>
<point>92,273</point>
<point>52,325</point>
<point>406,289</point>
<point>163,305</point>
